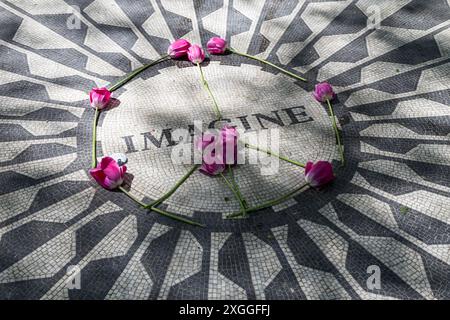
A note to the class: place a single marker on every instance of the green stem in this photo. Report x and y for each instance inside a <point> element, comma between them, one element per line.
<point>161,212</point>
<point>132,197</point>
<point>94,139</point>
<point>270,203</point>
<point>206,86</point>
<point>174,188</point>
<point>336,131</point>
<point>237,194</point>
<point>275,155</point>
<point>175,217</point>
<point>269,63</point>
<point>135,73</point>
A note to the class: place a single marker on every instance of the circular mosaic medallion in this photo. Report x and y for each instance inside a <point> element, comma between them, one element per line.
<point>271,107</point>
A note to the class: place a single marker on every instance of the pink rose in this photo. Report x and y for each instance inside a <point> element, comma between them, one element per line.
<point>108,173</point>
<point>216,147</point>
<point>196,54</point>
<point>216,45</point>
<point>99,97</point>
<point>319,174</point>
<point>178,48</point>
<point>323,92</point>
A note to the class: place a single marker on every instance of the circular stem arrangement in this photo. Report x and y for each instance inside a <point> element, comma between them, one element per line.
<point>110,173</point>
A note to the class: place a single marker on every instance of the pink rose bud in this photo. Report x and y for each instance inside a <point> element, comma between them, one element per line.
<point>178,48</point>
<point>214,149</point>
<point>230,144</point>
<point>196,54</point>
<point>319,174</point>
<point>108,173</point>
<point>99,97</point>
<point>212,169</point>
<point>216,45</point>
<point>323,92</point>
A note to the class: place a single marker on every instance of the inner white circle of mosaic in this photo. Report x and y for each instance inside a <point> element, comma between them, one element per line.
<point>252,100</point>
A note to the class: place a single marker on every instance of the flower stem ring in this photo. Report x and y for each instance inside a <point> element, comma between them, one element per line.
<point>110,173</point>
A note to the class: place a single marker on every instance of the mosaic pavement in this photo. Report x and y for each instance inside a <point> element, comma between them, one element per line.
<point>389,209</point>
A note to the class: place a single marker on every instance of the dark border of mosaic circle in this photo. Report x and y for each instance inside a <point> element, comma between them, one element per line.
<point>311,200</point>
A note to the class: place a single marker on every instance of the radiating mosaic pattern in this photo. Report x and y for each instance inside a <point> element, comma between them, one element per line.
<point>389,207</point>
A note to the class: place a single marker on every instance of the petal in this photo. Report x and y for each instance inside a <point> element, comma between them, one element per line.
<point>196,54</point>
<point>221,43</point>
<point>324,166</point>
<point>320,174</point>
<point>308,167</point>
<point>91,96</point>
<point>98,175</point>
<point>109,184</point>
<point>104,162</point>
<point>323,177</point>
<point>180,44</point>
<point>99,97</point>
<point>112,184</point>
<point>317,96</point>
<point>212,169</point>
<point>216,45</point>
<point>178,48</point>
<point>102,92</point>
<point>123,170</point>
<point>112,171</point>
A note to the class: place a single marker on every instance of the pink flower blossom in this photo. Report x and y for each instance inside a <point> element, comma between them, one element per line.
<point>319,174</point>
<point>196,54</point>
<point>99,97</point>
<point>108,173</point>
<point>178,48</point>
<point>323,92</point>
<point>218,149</point>
<point>216,45</point>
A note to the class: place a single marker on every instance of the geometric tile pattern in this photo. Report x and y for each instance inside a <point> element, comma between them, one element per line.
<point>388,210</point>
